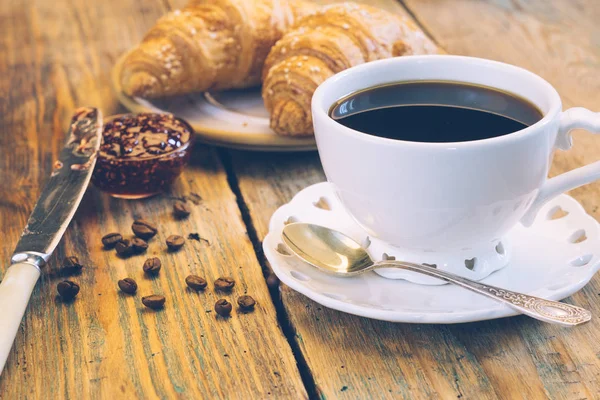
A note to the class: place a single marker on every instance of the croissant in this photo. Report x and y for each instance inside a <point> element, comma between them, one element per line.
<point>323,43</point>
<point>208,45</point>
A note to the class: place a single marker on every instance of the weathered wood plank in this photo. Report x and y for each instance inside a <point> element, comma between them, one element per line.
<point>56,56</point>
<point>351,357</point>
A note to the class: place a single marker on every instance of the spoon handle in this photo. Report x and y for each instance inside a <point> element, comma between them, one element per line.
<point>535,307</point>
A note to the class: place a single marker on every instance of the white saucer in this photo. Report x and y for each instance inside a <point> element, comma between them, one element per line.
<point>551,259</point>
<point>235,119</point>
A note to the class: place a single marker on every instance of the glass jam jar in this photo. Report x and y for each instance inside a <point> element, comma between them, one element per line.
<point>141,154</point>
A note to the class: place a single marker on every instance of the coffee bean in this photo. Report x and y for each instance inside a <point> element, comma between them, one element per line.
<point>124,248</point>
<point>223,307</point>
<point>272,281</point>
<point>224,284</point>
<point>154,301</point>
<point>196,282</point>
<point>143,229</point>
<point>139,245</point>
<point>128,285</point>
<point>67,290</point>
<point>71,265</point>
<point>181,210</point>
<point>175,242</point>
<point>109,241</point>
<point>152,266</point>
<point>246,303</point>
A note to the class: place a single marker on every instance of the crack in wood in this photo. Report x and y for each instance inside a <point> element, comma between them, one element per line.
<point>418,22</point>
<point>282,317</point>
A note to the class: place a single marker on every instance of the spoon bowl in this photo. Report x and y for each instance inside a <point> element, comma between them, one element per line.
<point>326,249</point>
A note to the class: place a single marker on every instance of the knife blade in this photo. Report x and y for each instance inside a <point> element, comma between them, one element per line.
<point>65,188</point>
<point>49,220</point>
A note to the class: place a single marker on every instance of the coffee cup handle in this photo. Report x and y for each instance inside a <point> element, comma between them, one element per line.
<point>573,118</point>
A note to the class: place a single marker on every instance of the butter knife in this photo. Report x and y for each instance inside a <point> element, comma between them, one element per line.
<point>51,216</point>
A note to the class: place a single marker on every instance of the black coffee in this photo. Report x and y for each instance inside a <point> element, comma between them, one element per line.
<point>432,111</point>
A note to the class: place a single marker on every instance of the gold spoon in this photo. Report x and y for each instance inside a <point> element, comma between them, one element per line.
<point>335,253</point>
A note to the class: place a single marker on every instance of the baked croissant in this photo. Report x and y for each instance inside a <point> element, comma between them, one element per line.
<point>208,45</point>
<point>331,39</point>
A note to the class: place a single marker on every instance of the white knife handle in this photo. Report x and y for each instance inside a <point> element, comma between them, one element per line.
<point>15,290</point>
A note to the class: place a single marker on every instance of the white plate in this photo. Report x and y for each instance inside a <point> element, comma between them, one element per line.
<point>235,119</point>
<point>546,262</point>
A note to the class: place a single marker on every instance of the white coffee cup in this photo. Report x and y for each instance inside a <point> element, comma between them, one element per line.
<point>447,196</point>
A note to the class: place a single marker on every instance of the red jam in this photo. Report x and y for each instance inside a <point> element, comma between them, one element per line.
<point>141,154</point>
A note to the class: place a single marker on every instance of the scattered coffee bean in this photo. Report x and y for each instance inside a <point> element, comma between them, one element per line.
<point>124,248</point>
<point>139,245</point>
<point>67,290</point>
<point>223,307</point>
<point>143,229</point>
<point>246,303</point>
<point>154,301</point>
<point>109,241</point>
<point>272,281</point>
<point>175,242</point>
<point>196,282</point>
<point>128,285</point>
<point>224,284</point>
<point>181,210</point>
<point>152,266</point>
<point>71,265</point>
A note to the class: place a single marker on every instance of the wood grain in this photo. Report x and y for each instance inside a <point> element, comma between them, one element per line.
<point>352,357</point>
<point>56,56</point>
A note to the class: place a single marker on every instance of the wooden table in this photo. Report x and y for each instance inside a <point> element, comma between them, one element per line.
<point>57,55</point>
